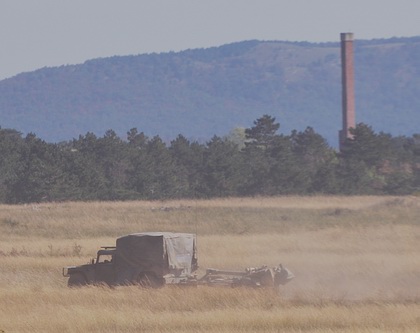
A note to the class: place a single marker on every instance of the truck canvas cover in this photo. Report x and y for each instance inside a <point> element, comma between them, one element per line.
<point>159,251</point>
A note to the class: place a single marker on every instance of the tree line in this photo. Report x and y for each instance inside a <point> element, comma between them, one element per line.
<point>257,161</point>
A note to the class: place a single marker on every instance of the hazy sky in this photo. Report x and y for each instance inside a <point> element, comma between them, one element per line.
<point>38,33</point>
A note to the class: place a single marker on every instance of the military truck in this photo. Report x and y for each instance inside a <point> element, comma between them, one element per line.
<point>153,259</point>
<point>149,259</point>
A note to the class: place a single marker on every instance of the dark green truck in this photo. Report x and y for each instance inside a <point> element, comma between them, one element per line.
<point>149,259</point>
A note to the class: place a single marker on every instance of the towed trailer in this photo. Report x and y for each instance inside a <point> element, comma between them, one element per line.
<point>154,259</point>
<point>252,277</point>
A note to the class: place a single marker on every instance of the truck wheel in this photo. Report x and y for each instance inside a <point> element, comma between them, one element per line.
<point>150,280</point>
<point>77,280</point>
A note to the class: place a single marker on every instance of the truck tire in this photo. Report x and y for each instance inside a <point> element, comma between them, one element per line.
<point>77,280</point>
<point>150,280</point>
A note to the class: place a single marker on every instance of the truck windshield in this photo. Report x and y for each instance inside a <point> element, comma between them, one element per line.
<point>104,258</point>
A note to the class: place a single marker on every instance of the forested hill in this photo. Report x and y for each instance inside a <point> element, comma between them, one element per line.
<point>203,92</point>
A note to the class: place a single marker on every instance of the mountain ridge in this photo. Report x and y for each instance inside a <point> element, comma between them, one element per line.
<point>204,92</point>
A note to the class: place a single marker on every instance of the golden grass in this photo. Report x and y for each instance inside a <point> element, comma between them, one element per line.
<point>130,309</point>
<point>356,261</point>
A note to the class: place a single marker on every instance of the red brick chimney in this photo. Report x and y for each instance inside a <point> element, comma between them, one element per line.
<point>347,76</point>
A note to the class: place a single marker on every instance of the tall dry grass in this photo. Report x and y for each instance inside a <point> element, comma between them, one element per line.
<point>242,216</point>
<point>356,261</point>
<point>193,310</point>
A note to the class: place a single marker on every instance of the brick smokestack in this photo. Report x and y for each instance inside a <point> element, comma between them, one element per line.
<point>347,67</point>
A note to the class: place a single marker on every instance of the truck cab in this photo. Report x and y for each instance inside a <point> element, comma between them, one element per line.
<point>99,270</point>
<point>104,267</point>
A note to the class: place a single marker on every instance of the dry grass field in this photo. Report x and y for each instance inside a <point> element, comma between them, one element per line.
<point>356,261</point>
